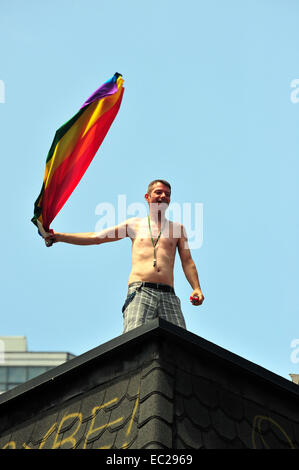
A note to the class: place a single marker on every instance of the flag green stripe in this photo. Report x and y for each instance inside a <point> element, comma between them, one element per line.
<point>63,130</point>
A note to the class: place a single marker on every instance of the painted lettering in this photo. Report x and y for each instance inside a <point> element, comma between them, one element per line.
<point>70,438</point>
<point>257,429</point>
<point>77,419</point>
<point>92,430</point>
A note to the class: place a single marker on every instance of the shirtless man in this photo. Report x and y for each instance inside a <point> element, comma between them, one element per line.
<point>154,243</point>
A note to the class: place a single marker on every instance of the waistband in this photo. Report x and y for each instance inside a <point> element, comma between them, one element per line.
<point>153,285</point>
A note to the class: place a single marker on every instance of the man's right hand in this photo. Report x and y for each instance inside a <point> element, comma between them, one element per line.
<point>50,239</point>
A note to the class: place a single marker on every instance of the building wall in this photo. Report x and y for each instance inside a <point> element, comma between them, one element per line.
<point>157,395</point>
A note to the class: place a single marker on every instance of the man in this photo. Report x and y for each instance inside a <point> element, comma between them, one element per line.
<point>154,243</point>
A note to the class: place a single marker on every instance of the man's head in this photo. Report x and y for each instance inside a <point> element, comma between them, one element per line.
<point>153,183</point>
<point>158,192</point>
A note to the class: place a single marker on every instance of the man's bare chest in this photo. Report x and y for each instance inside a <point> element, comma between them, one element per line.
<point>167,243</point>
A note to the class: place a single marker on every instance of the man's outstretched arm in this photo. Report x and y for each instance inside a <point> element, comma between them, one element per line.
<point>189,267</point>
<point>90,238</point>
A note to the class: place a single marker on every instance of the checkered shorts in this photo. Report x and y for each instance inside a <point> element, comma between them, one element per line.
<point>146,303</point>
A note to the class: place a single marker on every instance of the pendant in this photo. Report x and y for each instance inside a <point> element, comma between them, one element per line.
<point>154,262</point>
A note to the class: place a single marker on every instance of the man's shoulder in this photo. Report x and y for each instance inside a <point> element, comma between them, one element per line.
<point>135,220</point>
<point>177,229</point>
<point>133,226</point>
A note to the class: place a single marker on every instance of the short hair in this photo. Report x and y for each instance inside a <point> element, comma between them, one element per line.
<point>152,183</point>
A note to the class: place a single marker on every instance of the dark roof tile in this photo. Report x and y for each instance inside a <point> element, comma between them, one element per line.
<point>69,423</point>
<point>148,366</point>
<point>154,445</point>
<point>182,358</point>
<point>94,398</point>
<point>156,380</point>
<point>206,391</point>
<point>244,432</point>
<point>183,383</point>
<point>283,425</point>
<point>156,405</point>
<point>197,413</point>
<point>154,430</point>
<point>252,410</point>
<point>296,435</point>
<point>44,430</point>
<point>97,424</point>
<point>188,433</point>
<point>277,401</point>
<point>134,385</point>
<point>231,404</point>
<point>235,444</point>
<point>179,409</point>
<point>255,393</point>
<point>223,425</point>
<point>122,415</point>
<point>126,442</point>
<point>211,369</point>
<point>211,440</point>
<point>116,392</point>
<point>105,441</point>
<point>178,443</point>
<point>21,435</point>
<point>127,435</point>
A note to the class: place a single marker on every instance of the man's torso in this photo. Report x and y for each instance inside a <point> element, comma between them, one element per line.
<point>143,251</point>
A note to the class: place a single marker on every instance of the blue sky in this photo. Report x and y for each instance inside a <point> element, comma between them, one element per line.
<point>208,106</point>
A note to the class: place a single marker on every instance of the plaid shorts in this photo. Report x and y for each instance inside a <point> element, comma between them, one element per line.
<point>146,303</point>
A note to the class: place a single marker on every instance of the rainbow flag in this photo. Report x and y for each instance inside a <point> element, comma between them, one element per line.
<point>73,148</point>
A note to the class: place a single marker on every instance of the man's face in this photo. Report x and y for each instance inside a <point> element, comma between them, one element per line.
<point>160,196</point>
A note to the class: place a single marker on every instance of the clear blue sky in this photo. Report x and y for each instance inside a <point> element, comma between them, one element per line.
<point>207,106</point>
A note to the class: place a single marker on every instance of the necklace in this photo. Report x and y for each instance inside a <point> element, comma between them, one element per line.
<point>154,243</point>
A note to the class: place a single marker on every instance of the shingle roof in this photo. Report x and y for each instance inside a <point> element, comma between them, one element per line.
<point>156,387</point>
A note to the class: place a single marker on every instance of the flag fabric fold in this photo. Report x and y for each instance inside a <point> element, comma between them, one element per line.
<point>74,146</point>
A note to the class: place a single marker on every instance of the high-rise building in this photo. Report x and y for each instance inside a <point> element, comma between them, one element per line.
<point>17,364</point>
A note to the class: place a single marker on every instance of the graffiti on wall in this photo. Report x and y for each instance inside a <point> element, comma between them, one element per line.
<point>257,431</point>
<point>75,421</point>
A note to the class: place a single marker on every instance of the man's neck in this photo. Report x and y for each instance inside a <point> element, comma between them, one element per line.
<point>157,217</point>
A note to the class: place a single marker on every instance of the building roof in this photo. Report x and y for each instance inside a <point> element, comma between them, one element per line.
<point>157,386</point>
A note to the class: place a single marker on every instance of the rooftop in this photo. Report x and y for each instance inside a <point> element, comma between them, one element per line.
<point>157,386</point>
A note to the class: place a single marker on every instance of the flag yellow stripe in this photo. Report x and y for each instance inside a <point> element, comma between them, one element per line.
<point>67,144</point>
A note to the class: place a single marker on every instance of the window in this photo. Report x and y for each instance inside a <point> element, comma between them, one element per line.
<point>11,376</point>
<point>3,372</point>
<point>35,371</point>
<point>17,374</point>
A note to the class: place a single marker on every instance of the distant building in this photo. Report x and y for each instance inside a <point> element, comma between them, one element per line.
<point>295,378</point>
<point>18,365</point>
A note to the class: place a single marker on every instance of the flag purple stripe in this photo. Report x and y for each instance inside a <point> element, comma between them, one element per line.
<point>108,88</point>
